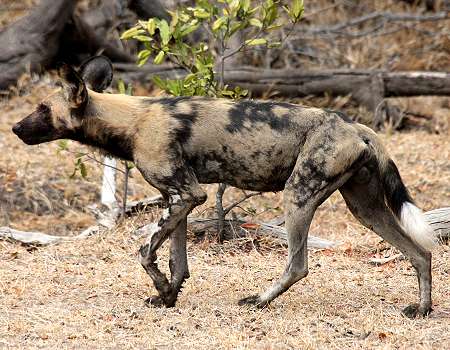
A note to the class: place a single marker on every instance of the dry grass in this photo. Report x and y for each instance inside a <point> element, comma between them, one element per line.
<point>90,294</point>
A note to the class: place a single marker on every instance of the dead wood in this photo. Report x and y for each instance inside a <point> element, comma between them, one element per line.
<point>379,18</point>
<point>32,42</point>
<point>240,228</point>
<point>52,32</point>
<point>367,87</point>
<point>135,207</point>
<point>80,40</point>
<point>298,82</point>
<point>147,9</point>
<point>39,238</point>
<point>439,220</point>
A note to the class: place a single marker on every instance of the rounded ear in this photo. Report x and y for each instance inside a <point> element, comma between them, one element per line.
<point>97,72</point>
<point>74,85</point>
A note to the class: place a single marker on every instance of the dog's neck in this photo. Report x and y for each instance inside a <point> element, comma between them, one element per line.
<point>109,123</point>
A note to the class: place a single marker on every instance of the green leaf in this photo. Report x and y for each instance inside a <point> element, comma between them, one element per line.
<point>159,57</point>
<point>143,38</point>
<point>274,27</point>
<point>234,7</point>
<point>83,170</point>
<point>201,13</point>
<point>121,86</point>
<point>164,31</point>
<point>274,44</point>
<point>297,8</point>
<point>190,28</point>
<point>235,27</point>
<point>219,23</point>
<point>130,33</point>
<point>143,54</point>
<point>151,26</point>
<point>245,5</point>
<point>63,145</point>
<point>256,22</point>
<point>255,42</point>
<point>142,61</point>
<point>159,82</point>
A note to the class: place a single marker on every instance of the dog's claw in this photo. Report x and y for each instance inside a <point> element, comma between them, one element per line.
<point>414,310</point>
<point>253,300</point>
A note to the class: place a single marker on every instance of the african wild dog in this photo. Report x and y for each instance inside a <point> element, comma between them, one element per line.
<point>178,143</point>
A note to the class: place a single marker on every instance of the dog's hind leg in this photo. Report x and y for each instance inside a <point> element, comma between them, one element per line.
<point>308,186</point>
<point>364,196</point>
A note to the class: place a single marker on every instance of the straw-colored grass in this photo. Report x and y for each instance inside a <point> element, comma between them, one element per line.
<point>90,294</point>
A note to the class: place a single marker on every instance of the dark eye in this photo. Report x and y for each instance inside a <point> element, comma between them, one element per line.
<point>43,108</point>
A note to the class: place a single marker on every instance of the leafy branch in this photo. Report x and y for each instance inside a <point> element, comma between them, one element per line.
<point>221,21</point>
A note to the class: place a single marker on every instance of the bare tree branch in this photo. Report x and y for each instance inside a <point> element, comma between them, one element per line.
<point>382,16</point>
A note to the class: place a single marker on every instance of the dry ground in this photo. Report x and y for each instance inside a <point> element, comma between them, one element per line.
<point>90,294</point>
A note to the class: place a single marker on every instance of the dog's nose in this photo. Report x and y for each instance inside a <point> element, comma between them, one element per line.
<point>16,128</point>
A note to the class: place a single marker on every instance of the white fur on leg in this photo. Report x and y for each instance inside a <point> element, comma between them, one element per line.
<point>416,227</point>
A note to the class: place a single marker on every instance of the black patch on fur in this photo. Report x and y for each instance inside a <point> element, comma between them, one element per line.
<point>169,102</point>
<point>111,141</point>
<point>182,132</point>
<point>394,189</point>
<point>257,112</point>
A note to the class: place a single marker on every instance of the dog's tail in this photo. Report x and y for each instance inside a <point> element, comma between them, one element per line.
<point>399,200</point>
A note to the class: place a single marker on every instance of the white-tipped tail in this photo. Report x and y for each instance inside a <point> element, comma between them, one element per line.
<point>416,227</point>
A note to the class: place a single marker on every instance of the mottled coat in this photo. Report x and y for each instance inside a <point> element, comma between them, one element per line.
<point>178,143</point>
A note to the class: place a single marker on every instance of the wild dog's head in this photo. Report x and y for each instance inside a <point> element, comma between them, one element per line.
<point>60,115</point>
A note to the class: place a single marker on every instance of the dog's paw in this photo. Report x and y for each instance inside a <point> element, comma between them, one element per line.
<point>253,300</point>
<point>414,310</point>
<point>158,301</point>
<point>154,300</point>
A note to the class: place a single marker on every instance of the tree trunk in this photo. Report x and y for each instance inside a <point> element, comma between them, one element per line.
<point>32,42</point>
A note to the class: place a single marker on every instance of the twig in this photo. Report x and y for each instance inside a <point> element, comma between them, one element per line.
<point>323,9</point>
<point>383,15</point>
<point>382,261</point>
<point>125,190</point>
<point>262,228</point>
<point>88,156</point>
<point>220,211</point>
<point>235,204</point>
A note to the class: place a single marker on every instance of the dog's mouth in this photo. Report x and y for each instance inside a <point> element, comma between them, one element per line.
<point>25,136</point>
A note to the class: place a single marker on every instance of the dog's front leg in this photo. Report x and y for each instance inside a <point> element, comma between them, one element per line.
<point>178,263</point>
<point>184,194</point>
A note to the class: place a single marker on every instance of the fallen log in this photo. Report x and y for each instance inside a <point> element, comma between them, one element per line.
<point>239,228</point>
<point>40,238</point>
<point>439,220</point>
<point>367,87</point>
<point>297,82</point>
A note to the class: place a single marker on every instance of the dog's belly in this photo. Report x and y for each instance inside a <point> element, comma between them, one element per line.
<point>255,171</point>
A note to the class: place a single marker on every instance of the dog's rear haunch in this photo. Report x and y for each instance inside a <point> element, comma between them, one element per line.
<point>179,143</point>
